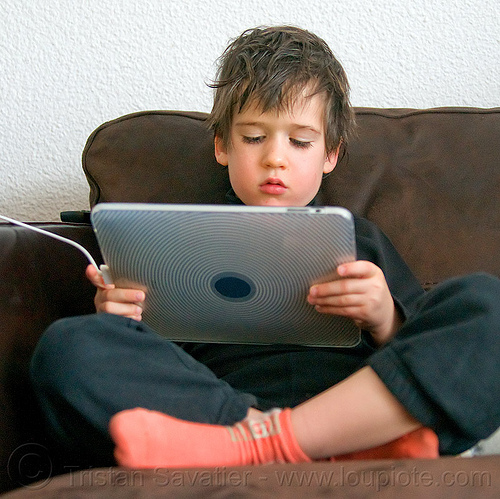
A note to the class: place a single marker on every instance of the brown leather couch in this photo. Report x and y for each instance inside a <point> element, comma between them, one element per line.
<point>429,178</point>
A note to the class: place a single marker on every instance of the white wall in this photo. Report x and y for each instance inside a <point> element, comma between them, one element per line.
<point>69,65</point>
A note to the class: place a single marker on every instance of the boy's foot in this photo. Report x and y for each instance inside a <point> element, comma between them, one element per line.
<point>149,439</point>
<point>422,443</point>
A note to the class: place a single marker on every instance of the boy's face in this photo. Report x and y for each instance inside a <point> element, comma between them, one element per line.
<point>277,159</point>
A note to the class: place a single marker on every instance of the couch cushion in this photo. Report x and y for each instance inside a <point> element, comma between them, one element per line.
<point>429,178</point>
<point>444,478</point>
<point>154,157</point>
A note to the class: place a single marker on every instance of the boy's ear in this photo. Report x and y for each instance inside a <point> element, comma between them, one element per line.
<point>331,161</point>
<point>220,151</point>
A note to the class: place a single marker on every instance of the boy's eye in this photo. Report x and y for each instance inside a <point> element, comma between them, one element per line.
<point>257,139</point>
<point>252,140</point>
<point>301,144</point>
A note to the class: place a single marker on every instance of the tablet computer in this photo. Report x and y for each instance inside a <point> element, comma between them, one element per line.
<point>230,273</point>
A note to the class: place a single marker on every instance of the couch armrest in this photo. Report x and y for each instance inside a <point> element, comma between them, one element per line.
<point>41,280</point>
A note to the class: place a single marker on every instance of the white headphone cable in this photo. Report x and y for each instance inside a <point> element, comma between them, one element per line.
<point>103,269</point>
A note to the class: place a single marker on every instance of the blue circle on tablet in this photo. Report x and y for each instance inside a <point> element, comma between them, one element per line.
<point>233,287</point>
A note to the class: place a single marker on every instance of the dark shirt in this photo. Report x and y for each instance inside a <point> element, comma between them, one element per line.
<point>286,375</point>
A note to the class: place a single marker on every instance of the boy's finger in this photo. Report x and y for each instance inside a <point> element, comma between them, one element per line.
<point>358,269</point>
<point>92,274</point>
<point>352,281</point>
<point>329,289</point>
<point>124,309</point>
<point>95,278</point>
<point>122,295</point>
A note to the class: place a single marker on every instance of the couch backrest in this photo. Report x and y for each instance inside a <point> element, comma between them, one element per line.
<point>429,178</point>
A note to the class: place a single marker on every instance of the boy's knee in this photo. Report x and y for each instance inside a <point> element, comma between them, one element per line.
<point>482,282</point>
<point>60,349</point>
<point>75,348</point>
<point>480,289</point>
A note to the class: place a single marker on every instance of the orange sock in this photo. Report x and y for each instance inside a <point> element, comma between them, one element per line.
<point>419,444</point>
<point>149,439</point>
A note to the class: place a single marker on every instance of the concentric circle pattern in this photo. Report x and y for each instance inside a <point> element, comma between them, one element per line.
<point>176,255</point>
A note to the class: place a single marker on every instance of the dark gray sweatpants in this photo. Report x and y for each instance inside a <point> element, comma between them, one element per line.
<point>443,366</point>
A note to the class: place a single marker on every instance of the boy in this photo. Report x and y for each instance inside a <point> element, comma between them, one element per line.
<point>280,115</point>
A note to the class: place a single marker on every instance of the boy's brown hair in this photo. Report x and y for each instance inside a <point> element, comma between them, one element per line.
<point>272,66</point>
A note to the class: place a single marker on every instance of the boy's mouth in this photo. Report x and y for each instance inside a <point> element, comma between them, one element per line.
<point>273,186</point>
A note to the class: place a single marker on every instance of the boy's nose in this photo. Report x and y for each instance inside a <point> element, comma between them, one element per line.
<point>275,156</point>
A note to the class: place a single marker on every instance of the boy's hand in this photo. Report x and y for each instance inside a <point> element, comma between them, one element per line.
<point>112,300</point>
<point>361,294</point>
